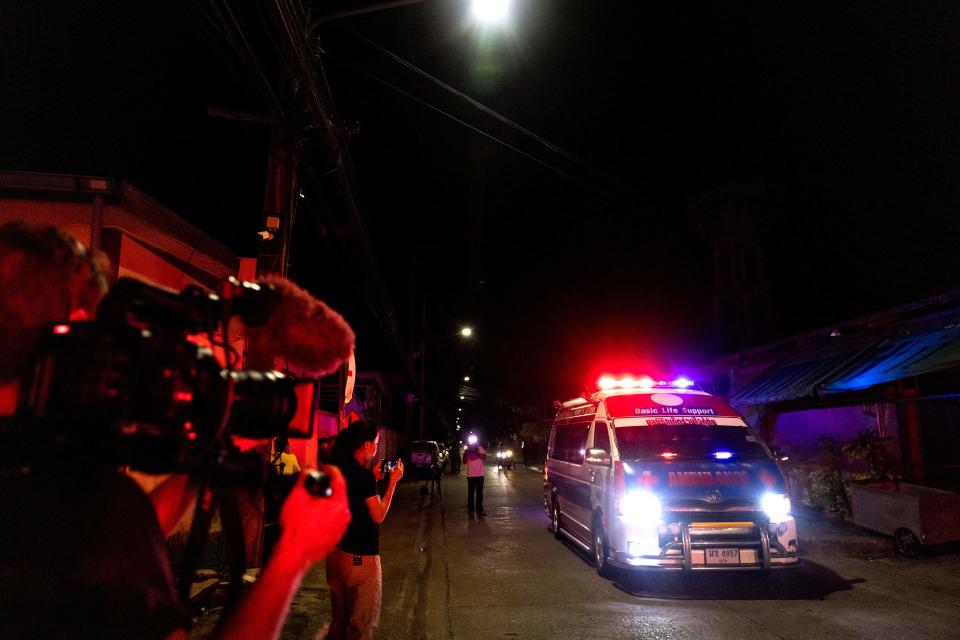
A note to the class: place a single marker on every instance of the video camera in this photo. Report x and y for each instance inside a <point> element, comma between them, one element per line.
<point>137,387</point>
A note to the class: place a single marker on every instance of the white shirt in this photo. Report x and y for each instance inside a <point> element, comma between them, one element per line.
<point>475,464</point>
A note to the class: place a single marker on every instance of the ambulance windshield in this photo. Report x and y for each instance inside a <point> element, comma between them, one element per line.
<point>688,442</point>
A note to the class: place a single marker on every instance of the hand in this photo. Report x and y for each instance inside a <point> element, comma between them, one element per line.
<point>310,526</point>
<point>397,472</point>
<point>378,470</point>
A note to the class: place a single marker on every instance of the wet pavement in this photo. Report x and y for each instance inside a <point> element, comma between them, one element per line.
<point>452,576</point>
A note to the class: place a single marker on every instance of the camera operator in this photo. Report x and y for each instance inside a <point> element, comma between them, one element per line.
<point>353,568</point>
<point>82,550</point>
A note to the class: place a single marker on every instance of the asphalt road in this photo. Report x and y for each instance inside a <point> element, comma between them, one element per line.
<point>450,576</point>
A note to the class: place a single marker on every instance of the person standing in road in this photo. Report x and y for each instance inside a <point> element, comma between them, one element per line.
<point>473,459</point>
<point>353,567</point>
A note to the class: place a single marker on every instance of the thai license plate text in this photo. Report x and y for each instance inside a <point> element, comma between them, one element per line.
<point>723,556</point>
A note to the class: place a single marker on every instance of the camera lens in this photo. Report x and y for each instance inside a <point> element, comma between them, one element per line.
<point>263,406</point>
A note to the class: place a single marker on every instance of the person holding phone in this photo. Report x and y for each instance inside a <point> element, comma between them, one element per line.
<point>353,567</point>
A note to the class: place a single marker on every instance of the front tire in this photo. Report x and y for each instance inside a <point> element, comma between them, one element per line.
<point>601,552</point>
<point>555,520</point>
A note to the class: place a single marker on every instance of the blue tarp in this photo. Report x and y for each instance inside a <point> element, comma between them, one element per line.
<point>846,364</point>
<point>899,358</point>
<point>802,373</point>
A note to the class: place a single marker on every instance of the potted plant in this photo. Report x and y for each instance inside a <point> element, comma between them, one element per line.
<point>826,483</point>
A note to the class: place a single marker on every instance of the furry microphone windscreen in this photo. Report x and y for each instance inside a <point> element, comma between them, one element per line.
<point>303,330</point>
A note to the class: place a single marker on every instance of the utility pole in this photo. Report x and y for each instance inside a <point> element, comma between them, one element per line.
<point>727,219</point>
<point>279,193</point>
<point>421,387</point>
<point>279,204</point>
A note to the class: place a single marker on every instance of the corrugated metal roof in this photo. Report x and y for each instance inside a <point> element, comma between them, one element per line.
<point>802,373</point>
<point>850,363</point>
<point>901,357</point>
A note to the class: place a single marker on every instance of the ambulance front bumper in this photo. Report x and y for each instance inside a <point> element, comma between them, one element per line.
<point>756,545</point>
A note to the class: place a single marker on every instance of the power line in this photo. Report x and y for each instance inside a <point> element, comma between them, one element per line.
<point>485,109</point>
<point>317,90</point>
<point>509,146</point>
<point>237,39</point>
<point>288,36</point>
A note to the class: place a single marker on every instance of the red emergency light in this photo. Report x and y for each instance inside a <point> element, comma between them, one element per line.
<point>607,382</point>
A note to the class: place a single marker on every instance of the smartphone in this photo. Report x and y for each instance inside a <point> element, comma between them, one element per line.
<point>388,465</point>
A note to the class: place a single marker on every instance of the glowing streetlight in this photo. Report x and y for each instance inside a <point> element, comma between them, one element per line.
<point>464,332</point>
<point>466,378</point>
<point>490,11</point>
<point>461,397</point>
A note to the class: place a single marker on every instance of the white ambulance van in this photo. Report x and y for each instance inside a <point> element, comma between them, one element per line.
<point>657,475</point>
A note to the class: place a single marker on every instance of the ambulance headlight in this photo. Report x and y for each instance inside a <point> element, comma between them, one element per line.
<point>776,506</point>
<point>499,455</point>
<point>641,506</point>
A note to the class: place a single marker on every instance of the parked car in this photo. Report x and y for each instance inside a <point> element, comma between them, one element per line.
<point>425,454</point>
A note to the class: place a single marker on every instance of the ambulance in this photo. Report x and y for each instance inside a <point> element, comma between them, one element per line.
<point>659,475</point>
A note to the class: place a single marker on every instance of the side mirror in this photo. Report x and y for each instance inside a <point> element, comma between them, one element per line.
<point>599,457</point>
<point>778,454</point>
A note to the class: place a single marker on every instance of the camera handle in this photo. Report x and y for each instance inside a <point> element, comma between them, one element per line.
<point>209,498</point>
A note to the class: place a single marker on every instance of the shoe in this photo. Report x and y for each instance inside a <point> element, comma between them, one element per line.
<point>482,513</point>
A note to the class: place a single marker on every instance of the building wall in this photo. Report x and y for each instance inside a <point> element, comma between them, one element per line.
<point>798,431</point>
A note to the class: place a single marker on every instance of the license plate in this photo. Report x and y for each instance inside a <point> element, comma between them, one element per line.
<point>723,556</point>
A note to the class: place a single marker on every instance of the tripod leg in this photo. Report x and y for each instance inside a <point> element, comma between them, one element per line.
<point>235,545</point>
<point>197,541</point>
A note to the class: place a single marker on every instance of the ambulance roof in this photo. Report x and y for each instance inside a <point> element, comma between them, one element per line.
<point>649,402</point>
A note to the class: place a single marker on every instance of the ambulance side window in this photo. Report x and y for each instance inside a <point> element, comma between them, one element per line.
<point>601,438</point>
<point>570,442</point>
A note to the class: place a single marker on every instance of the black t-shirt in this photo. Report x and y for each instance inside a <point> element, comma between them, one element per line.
<point>363,534</point>
<point>82,556</point>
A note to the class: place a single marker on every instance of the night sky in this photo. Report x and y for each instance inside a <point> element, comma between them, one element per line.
<point>840,122</point>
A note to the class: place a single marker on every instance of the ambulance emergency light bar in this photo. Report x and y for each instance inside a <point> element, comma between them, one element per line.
<point>646,382</point>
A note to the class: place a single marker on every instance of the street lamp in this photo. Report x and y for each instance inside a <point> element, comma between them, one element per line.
<point>464,332</point>
<point>490,11</point>
<point>466,378</point>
